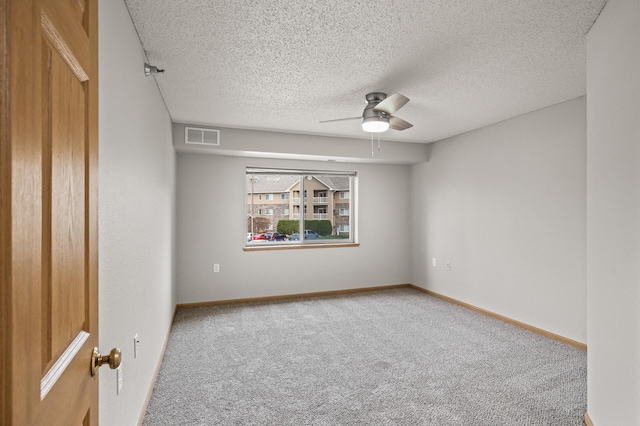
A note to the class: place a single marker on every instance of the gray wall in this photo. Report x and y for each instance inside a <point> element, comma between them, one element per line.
<point>212,229</point>
<point>613,212</point>
<point>506,205</point>
<point>136,216</point>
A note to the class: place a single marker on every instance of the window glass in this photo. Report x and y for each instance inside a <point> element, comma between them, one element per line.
<point>324,214</point>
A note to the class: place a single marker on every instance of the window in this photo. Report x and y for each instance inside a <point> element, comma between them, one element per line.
<point>343,228</point>
<point>293,212</point>
<point>320,197</point>
<point>320,213</point>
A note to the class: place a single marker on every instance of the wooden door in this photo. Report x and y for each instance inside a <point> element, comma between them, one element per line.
<point>48,211</point>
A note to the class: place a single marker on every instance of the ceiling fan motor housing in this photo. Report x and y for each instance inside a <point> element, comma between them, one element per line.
<point>369,113</point>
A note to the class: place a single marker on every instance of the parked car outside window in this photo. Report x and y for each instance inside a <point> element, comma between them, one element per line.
<point>274,236</point>
<point>308,235</point>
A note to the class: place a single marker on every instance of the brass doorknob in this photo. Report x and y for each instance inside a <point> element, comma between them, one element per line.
<point>114,359</point>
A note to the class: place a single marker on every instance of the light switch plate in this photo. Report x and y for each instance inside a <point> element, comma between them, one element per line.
<point>136,342</point>
<point>119,379</point>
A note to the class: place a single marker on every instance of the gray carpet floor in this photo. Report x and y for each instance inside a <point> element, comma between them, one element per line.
<point>394,357</point>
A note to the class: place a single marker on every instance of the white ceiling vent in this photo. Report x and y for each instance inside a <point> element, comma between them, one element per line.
<point>199,136</point>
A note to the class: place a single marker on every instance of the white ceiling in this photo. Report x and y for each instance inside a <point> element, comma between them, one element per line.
<point>284,65</point>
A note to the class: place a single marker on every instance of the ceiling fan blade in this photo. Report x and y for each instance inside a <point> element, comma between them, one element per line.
<point>342,119</point>
<point>396,123</point>
<point>392,103</point>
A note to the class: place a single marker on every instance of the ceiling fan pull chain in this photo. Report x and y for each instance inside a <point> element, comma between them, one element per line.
<point>372,144</point>
<point>378,142</point>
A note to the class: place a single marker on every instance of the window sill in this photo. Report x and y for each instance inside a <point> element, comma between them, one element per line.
<point>301,246</point>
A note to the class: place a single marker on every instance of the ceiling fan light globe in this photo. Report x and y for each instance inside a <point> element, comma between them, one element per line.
<point>375,124</point>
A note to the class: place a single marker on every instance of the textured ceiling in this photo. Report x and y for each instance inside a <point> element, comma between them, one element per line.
<point>284,65</point>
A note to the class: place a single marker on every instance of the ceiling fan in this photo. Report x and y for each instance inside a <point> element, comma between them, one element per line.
<point>377,115</point>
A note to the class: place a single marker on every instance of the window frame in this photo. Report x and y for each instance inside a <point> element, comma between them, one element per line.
<point>255,174</point>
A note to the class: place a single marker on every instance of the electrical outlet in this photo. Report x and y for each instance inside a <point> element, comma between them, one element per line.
<point>448,266</point>
<point>136,342</point>
<point>216,267</point>
<point>433,262</point>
